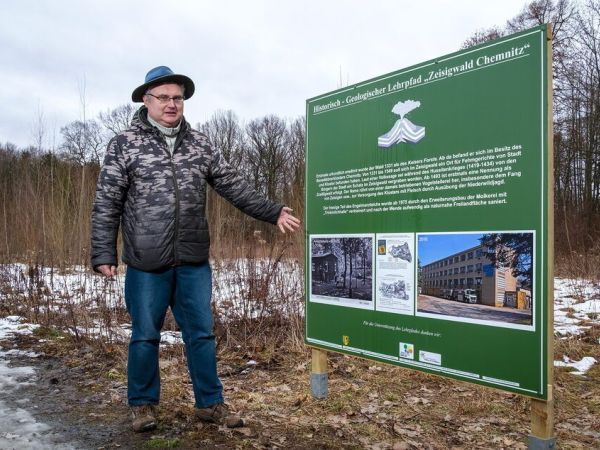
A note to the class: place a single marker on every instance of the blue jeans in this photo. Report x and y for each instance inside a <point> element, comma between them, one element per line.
<point>187,290</point>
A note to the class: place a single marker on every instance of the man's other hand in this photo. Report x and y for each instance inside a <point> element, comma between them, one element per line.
<point>107,270</point>
<point>286,220</point>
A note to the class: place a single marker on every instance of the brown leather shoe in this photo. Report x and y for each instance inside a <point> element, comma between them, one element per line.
<point>143,418</point>
<point>219,414</point>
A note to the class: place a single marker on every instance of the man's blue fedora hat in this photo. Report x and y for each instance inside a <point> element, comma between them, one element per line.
<point>162,75</point>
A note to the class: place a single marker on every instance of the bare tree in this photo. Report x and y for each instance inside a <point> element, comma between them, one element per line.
<point>558,13</point>
<point>38,130</point>
<point>296,146</point>
<point>118,119</point>
<point>225,134</point>
<point>482,36</point>
<point>582,100</point>
<point>267,153</point>
<point>83,141</point>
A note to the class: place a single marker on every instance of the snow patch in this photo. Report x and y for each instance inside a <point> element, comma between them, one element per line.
<point>20,353</point>
<point>11,325</point>
<point>170,337</point>
<point>18,428</point>
<point>581,366</point>
<point>576,306</point>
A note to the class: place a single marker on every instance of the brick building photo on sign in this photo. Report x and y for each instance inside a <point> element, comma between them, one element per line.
<point>471,276</point>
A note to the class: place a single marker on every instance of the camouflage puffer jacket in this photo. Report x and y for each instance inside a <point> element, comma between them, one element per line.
<point>160,199</point>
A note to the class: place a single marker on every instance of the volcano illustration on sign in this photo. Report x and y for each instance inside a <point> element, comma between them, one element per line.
<point>403,130</point>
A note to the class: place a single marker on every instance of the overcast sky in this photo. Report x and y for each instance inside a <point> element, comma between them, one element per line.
<point>255,57</point>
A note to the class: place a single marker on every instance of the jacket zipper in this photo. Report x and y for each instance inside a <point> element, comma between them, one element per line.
<point>176,235</point>
<point>176,185</point>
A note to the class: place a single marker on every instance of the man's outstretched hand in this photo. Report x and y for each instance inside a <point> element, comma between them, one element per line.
<point>286,220</point>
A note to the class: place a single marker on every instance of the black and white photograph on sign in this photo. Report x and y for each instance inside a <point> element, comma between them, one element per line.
<point>484,278</point>
<point>395,264</point>
<point>342,270</point>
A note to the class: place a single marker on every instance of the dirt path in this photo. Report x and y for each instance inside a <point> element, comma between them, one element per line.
<point>50,408</point>
<point>72,398</point>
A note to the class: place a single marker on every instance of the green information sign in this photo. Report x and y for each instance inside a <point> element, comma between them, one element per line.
<point>428,216</point>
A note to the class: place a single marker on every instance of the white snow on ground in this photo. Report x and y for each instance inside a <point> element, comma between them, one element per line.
<point>576,308</point>
<point>11,325</point>
<point>233,281</point>
<point>236,281</point>
<point>575,302</point>
<point>171,337</point>
<point>75,286</point>
<point>582,366</point>
<point>18,428</point>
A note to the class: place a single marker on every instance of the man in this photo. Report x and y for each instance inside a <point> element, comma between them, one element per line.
<point>153,183</point>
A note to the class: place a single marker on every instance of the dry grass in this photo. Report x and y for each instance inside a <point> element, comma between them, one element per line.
<point>583,264</point>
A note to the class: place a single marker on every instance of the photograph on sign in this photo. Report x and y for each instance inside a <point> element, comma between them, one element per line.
<point>342,270</point>
<point>483,278</point>
<point>395,262</point>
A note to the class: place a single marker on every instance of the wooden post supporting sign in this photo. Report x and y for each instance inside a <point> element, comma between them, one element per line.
<point>542,423</point>
<point>318,374</point>
<point>542,412</point>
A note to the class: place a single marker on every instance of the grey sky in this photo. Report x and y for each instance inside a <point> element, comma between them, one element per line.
<point>255,57</point>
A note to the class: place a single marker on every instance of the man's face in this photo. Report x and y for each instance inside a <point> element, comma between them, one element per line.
<point>167,114</point>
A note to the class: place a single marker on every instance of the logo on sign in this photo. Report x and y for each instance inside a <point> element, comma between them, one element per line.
<point>407,351</point>
<point>430,358</point>
<point>403,130</point>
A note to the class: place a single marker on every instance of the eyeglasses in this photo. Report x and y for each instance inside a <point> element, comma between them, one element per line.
<point>164,99</point>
